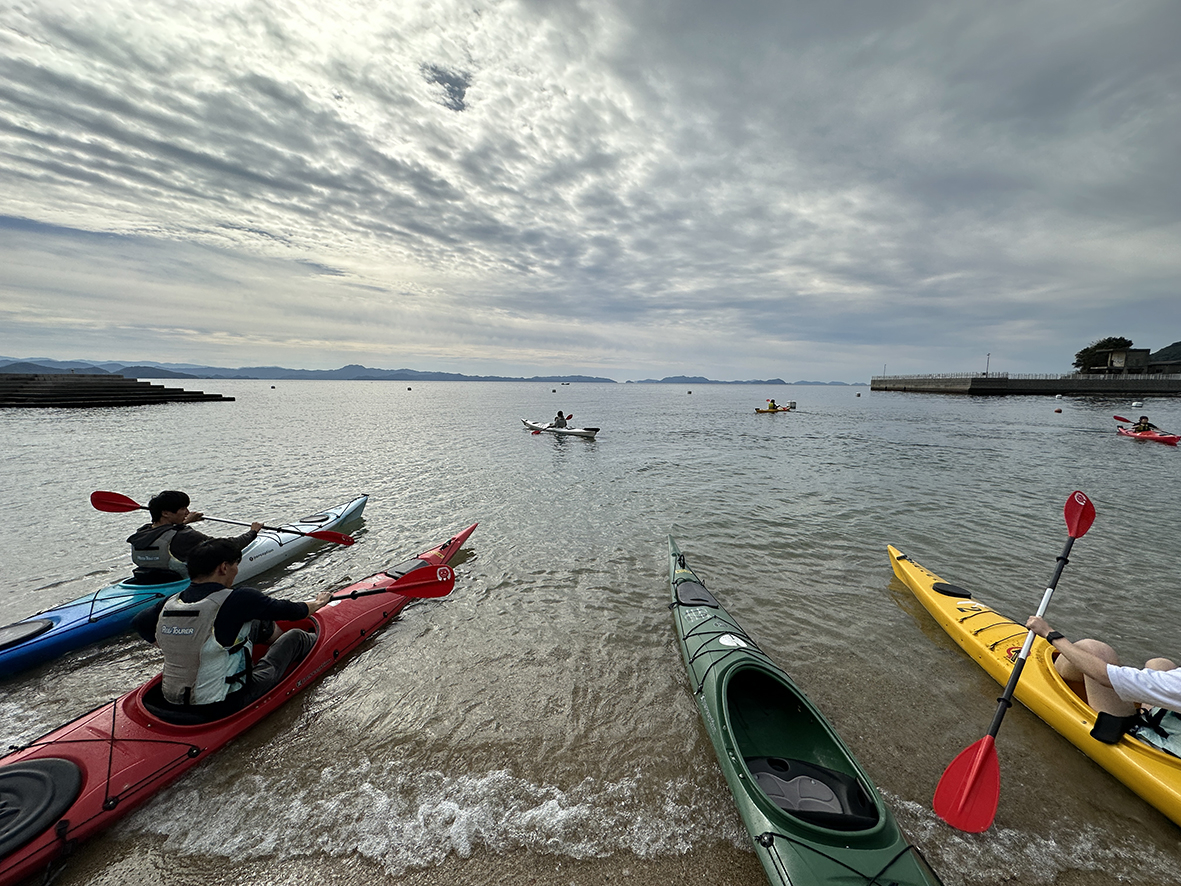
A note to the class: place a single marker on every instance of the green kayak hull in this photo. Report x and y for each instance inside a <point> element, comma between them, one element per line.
<point>812,812</point>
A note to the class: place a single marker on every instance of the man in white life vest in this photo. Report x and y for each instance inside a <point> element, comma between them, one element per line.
<point>206,633</point>
<point>161,548</point>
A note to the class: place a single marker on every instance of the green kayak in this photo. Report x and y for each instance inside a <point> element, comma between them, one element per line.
<point>812,812</point>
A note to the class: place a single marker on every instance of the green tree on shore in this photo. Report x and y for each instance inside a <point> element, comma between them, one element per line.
<point>1094,355</point>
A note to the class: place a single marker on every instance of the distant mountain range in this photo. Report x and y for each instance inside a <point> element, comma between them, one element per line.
<point>352,372</point>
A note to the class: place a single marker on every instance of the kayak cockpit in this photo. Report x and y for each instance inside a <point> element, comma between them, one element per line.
<point>816,794</point>
<point>794,760</point>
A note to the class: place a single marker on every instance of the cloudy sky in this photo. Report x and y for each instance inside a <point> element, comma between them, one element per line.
<point>736,189</point>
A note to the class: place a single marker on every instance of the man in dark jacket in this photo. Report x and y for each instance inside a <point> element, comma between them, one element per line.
<point>159,549</point>
<point>207,630</point>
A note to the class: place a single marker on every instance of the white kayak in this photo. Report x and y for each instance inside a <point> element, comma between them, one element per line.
<point>561,432</point>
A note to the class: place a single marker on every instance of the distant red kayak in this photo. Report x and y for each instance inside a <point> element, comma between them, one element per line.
<point>1158,436</point>
<point>80,778</point>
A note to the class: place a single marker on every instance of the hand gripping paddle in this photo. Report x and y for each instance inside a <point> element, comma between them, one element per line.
<point>969,791</point>
<point>114,503</point>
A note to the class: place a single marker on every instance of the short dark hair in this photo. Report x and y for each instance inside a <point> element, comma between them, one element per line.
<point>168,500</point>
<point>206,557</point>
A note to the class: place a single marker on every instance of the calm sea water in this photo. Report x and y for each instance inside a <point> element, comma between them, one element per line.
<point>535,726</point>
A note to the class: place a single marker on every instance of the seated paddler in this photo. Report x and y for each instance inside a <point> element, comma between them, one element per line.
<point>208,630</point>
<point>161,548</point>
<point>1143,701</point>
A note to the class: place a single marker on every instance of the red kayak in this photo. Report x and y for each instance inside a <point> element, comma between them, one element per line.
<point>79,779</point>
<point>1158,436</point>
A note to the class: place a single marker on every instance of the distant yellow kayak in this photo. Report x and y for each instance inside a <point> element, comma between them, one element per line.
<point>994,641</point>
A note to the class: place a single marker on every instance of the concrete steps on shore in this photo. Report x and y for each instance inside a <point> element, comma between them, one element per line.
<point>70,390</point>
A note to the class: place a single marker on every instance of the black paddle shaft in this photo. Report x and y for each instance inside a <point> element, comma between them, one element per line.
<point>1006,700</point>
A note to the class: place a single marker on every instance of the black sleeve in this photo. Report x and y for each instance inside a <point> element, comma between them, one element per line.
<point>145,622</point>
<point>247,604</point>
<point>188,538</point>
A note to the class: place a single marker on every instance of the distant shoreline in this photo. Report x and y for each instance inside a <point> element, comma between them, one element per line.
<point>352,372</point>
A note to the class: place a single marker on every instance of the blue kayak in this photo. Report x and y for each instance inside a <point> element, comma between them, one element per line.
<point>109,611</point>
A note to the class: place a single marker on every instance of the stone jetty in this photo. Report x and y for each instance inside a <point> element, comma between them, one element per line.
<point>68,390</point>
<point>1002,383</point>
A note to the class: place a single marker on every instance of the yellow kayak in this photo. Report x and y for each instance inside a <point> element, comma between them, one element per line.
<point>994,641</point>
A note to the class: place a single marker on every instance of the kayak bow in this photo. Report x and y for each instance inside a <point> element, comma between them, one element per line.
<point>991,639</point>
<point>812,812</point>
<point>80,778</point>
<point>109,611</point>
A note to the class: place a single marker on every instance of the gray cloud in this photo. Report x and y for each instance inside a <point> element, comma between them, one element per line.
<point>777,188</point>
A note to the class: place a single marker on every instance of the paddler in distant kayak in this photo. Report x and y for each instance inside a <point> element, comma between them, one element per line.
<point>159,549</point>
<point>1144,425</point>
<point>559,421</point>
<point>772,405</point>
<point>1145,700</point>
<point>206,633</point>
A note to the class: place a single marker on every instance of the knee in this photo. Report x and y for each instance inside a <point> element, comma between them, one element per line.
<point>1160,664</point>
<point>1099,649</point>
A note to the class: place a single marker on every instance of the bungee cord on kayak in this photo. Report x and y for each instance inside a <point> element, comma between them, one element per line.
<point>768,840</point>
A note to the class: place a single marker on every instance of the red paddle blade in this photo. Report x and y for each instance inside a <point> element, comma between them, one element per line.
<point>968,794</point>
<point>437,581</point>
<point>1080,514</point>
<point>1121,418</point>
<point>114,503</point>
<point>338,538</point>
<point>535,433</point>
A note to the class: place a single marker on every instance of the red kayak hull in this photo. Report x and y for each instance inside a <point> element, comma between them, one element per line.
<point>1157,436</point>
<point>125,754</point>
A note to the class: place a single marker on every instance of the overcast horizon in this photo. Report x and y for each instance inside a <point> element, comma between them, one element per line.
<point>522,188</point>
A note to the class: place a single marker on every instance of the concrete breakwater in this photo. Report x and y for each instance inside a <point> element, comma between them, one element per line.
<point>65,390</point>
<point>1002,383</point>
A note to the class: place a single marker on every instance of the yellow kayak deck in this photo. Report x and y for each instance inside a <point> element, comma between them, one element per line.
<point>994,642</point>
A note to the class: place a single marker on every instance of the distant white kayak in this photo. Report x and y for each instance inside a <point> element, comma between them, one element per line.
<point>564,432</point>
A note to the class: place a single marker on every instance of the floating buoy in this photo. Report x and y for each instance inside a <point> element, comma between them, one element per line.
<point>1137,403</point>
<point>272,387</point>
<point>690,392</point>
<point>1057,396</point>
<point>554,391</point>
<point>858,393</point>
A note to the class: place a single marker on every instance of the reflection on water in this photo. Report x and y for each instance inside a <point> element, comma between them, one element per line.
<point>536,725</point>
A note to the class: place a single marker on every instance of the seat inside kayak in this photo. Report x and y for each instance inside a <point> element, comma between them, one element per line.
<point>814,793</point>
<point>23,631</point>
<point>188,715</point>
<point>782,737</point>
<point>34,794</point>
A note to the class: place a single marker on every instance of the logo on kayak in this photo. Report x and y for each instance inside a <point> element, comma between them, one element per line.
<point>731,640</point>
<point>259,555</point>
<point>970,606</point>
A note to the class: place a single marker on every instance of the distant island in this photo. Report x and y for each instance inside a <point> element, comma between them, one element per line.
<point>352,372</point>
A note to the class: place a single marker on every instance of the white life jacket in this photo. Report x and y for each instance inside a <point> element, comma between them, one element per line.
<point>151,548</point>
<point>1162,730</point>
<point>198,669</point>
